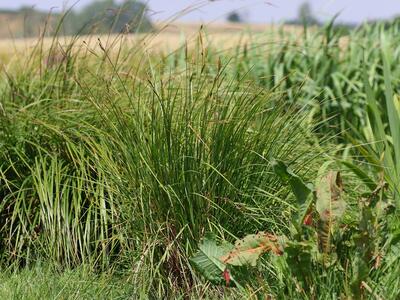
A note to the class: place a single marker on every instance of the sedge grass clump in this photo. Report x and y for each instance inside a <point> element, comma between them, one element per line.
<point>194,155</point>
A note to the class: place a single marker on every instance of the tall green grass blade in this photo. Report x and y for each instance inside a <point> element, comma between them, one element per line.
<point>394,118</point>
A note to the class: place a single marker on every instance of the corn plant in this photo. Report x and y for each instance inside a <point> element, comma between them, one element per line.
<point>379,142</point>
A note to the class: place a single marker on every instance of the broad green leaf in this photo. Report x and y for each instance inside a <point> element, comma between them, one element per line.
<point>249,249</point>
<point>360,274</point>
<point>301,190</point>
<point>207,260</point>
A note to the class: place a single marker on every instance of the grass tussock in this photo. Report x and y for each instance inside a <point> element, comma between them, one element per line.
<point>119,160</point>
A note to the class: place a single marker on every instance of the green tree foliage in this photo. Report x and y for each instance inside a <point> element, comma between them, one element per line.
<point>107,16</point>
<point>234,17</point>
<point>305,16</point>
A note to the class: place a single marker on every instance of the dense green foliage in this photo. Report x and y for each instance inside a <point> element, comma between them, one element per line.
<point>118,161</point>
<point>113,160</point>
<point>318,239</point>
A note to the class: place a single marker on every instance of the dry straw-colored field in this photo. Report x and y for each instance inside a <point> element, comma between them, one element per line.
<point>168,37</point>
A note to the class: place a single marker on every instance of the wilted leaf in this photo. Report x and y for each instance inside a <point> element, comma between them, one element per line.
<point>330,204</point>
<point>308,220</point>
<point>248,250</point>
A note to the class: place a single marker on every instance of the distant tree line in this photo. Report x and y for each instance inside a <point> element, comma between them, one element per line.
<point>108,16</point>
<point>101,16</point>
<point>305,17</point>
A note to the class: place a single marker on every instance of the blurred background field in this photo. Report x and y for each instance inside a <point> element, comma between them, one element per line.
<point>168,37</point>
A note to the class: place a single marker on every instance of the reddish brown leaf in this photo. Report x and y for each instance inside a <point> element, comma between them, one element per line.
<point>227,276</point>
<point>308,220</point>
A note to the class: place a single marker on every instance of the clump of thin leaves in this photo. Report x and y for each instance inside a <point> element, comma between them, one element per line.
<point>111,159</point>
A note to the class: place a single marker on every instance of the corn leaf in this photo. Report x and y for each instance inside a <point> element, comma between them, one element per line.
<point>394,118</point>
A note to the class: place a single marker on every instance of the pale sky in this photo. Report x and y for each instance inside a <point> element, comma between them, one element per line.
<point>261,11</point>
